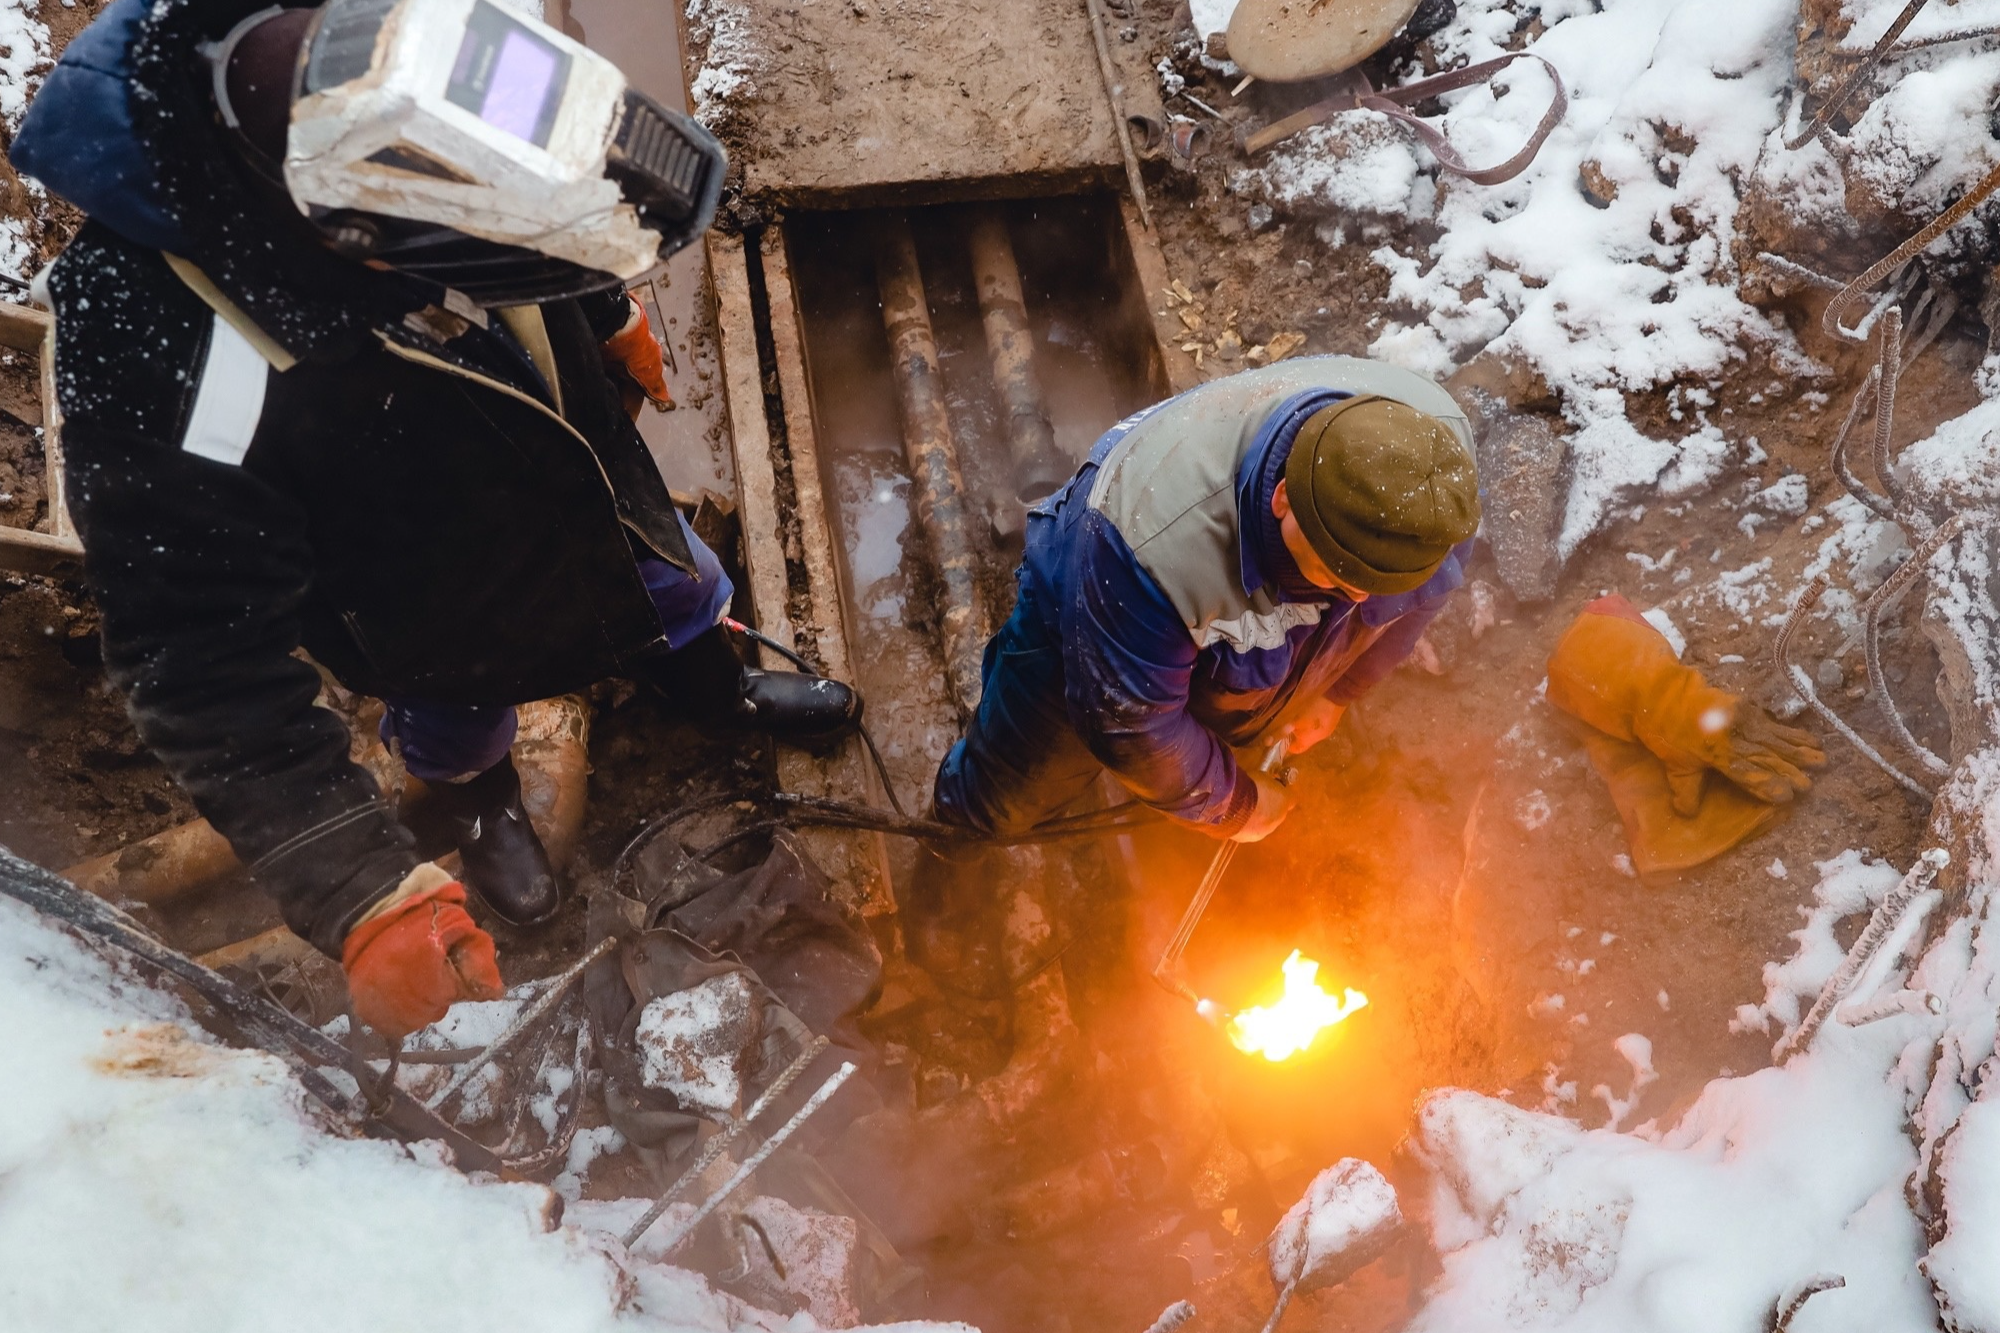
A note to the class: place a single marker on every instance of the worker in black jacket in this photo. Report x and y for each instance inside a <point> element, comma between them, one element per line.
<point>339,360</point>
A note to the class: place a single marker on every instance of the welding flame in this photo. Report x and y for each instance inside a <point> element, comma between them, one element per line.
<point>1280,1031</point>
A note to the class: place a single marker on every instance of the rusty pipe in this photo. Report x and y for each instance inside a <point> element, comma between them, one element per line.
<point>160,868</point>
<point>928,443</point>
<point>1038,468</point>
<point>551,751</point>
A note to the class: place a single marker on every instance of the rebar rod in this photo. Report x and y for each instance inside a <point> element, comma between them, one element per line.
<point>758,1158</point>
<point>1114,95</point>
<point>1802,686</point>
<point>526,1019</point>
<point>729,1134</point>
<point>1167,970</point>
<point>1284,1304</point>
<point>1887,916</point>
<point>1845,90</point>
<point>1871,639</point>
<point>1038,468</point>
<point>1890,360</point>
<point>1793,1301</point>
<point>1903,254</point>
<point>1864,398</point>
<point>1791,268</point>
<point>1941,312</point>
<point>937,484</point>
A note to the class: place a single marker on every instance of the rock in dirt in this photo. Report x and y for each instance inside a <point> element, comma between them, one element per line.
<point>1347,1219</point>
<point>803,1259</point>
<point>1523,468</point>
<point>698,1044</point>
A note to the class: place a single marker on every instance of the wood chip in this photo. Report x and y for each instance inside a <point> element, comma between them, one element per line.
<point>1181,290</point>
<point>1284,344</point>
<point>1191,320</point>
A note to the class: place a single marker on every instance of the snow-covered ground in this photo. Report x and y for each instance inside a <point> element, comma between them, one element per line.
<point>24,53</point>
<point>1674,105</point>
<point>153,1180</point>
<point>1765,1182</point>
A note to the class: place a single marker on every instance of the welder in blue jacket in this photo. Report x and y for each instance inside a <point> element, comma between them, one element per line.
<point>1236,564</point>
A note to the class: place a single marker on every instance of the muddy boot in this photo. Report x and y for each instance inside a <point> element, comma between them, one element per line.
<point>708,681</point>
<point>952,921</point>
<point>504,862</point>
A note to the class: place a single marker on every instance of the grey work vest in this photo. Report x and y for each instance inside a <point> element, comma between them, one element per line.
<point>1169,486</point>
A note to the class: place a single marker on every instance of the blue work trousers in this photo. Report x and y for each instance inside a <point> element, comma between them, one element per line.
<point>1021,760</point>
<point>450,742</point>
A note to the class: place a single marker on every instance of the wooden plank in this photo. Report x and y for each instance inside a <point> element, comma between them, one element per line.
<point>23,327</point>
<point>829,610</point>
<point>1154,279</point>
<point>27,552</point>
<point>856,861</point>
<point>750,440</point>
<point>57,551</point>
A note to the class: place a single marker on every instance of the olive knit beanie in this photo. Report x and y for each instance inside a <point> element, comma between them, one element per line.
<point>1381,491</point>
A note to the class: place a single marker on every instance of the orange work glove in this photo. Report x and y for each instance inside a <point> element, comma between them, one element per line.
<point>416,954</point>
<point>638,353</point>
<point>1616,672</point>
<point>1660,838</point>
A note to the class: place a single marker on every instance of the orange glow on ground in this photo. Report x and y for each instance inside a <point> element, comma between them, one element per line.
<point>1281,1030</point>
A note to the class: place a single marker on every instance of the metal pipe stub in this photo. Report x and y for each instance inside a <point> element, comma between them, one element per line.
<point>1038,468</point>
<point>928,443</point>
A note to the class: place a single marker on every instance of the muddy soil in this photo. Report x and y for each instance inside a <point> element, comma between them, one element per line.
<point>1454,855</point>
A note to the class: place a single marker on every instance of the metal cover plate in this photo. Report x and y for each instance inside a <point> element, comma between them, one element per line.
<point>1286,41</point>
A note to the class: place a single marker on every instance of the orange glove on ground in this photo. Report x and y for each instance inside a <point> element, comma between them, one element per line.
<point>1616,672</point>
<point>1660,838</point>
<point>638,353</point>
<point>418,954</point>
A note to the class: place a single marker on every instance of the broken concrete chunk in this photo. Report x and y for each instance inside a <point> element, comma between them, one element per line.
<point>1347,1219</point>
<point>802,1259</point>
<point>1524,474</point>
<point>697,1045</point>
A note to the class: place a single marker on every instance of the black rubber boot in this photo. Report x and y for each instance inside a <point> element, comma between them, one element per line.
<point>791,706</point>
<point>504,862</point>
<point>708,682</point>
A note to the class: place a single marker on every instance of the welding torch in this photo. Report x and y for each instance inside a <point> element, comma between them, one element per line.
<point>1168,970</point>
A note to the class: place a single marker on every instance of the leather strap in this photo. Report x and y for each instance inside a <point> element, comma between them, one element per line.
<point>1394,103</point>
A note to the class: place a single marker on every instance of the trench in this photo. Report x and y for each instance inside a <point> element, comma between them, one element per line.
<point>1160,1157</point>
<point>1158,1166</point>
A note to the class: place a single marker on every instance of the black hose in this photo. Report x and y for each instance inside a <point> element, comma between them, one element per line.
<point>794,810</point>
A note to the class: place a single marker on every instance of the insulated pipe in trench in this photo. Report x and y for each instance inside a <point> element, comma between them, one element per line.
<point>937,483</point>
<point>1038,468</point>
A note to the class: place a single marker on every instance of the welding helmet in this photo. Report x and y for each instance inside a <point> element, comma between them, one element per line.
<point>463,143</point>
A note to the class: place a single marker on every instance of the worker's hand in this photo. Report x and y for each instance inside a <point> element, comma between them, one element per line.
<point>1274,802</point>
<point>635,351</point>
<point>1314,725</point>
<point>416,955</point>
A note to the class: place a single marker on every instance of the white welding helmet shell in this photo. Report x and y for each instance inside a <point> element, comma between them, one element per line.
<point>476,147</point>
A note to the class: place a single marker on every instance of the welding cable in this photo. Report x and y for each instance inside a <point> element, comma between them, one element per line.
<point>795,809</point>
<point>867,738</point>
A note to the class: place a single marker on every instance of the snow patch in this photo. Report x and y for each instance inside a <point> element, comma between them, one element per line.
<point>731,63</point>
<point>158,1180</point>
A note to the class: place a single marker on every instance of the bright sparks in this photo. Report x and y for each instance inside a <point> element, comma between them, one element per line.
<point>1280,1031</point>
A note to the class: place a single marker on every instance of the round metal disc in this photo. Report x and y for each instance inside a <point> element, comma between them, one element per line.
<point>1286,41</point>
